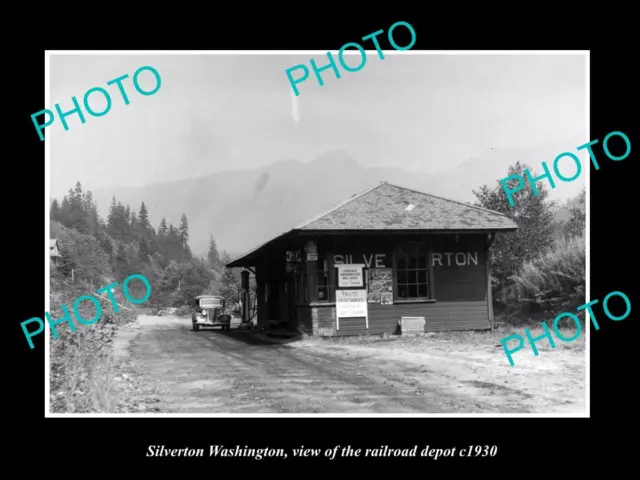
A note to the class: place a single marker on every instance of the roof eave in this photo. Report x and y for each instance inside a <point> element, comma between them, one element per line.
<point>241,262</point>
<point>249,258</point>
<point>400,231</point>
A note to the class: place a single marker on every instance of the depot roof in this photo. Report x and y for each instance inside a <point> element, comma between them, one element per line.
<point>388,207</point>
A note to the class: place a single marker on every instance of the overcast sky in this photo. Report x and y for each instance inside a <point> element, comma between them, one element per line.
<point>219,112</point>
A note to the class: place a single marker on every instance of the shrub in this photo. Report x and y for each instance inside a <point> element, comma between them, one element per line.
<point>82,362</point>
<point>553,282</point>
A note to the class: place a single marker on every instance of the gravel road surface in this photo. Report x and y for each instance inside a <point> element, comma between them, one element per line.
<point>210,371</point>
<point>169,368</point>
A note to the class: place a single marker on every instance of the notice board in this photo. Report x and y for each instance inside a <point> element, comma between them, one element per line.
<point>350,275</point>
<point>380,285</point>
<point>351,304</point>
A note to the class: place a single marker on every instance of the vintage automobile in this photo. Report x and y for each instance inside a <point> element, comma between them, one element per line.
<point>210,312</point>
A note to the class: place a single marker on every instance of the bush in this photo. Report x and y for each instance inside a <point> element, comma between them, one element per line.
<point>552,283</point>
<point>82,362</point>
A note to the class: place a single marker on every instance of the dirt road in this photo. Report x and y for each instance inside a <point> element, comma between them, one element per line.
<point>237,372</point>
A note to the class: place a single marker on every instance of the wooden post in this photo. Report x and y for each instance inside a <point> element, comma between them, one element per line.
<point>331,277</point>
<point>312,278</point>
<point>431,284</point>
<point>487,264</point>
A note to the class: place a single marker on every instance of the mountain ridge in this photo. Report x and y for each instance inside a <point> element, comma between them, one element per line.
<point>244,208</point>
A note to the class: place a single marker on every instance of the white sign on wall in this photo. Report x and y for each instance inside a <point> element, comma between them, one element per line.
<point>350,275</point>
<point>351,304</point>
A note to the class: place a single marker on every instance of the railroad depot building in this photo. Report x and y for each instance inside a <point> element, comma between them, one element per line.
<point>384,254</point>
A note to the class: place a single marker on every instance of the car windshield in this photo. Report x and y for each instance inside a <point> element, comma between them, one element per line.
<point>210,302</point>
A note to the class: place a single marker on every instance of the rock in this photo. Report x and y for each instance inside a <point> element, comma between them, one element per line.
<point>141,408</point>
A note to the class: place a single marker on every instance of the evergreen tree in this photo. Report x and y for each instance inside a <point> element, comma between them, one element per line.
<point>134,222</point>
<point>172,245</point>
<point>126,243</point>
<point>90,213</point>
<point>162,230</point>
<point>77,216</point>
<point>127,214</point>
<point>184,231</point>
<point>143,215</point>
<point>119,222</point>
<point>213,256</point>
<point>54,211</point>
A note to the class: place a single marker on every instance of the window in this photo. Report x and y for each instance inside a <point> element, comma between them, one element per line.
<point>210,302</point>
<point>322,275</point>
<point>412,272</point>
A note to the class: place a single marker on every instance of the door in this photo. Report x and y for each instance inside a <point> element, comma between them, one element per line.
<point>272,301</point>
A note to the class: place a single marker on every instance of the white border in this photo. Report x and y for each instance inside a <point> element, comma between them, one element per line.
<point>47,97</point>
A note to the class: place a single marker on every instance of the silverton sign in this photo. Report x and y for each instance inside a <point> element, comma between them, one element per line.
<point>459,259</point>
<point>376,260</point>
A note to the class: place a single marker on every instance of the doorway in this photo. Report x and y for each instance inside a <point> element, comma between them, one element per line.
<point>273,301</point>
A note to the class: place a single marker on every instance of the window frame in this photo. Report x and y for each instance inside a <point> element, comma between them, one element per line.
<point>398,253</point>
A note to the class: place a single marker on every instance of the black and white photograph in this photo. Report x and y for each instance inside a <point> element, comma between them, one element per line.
<point>226,243</point>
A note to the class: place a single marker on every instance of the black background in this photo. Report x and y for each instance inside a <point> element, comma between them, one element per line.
<point>528,447</point>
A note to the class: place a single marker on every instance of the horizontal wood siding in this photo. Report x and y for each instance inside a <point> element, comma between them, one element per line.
<point>439,316</point>
<point>459,289</point>
<point>453,283</point>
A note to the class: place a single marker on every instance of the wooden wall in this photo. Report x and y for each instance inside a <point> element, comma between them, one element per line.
<point>458,284</point>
